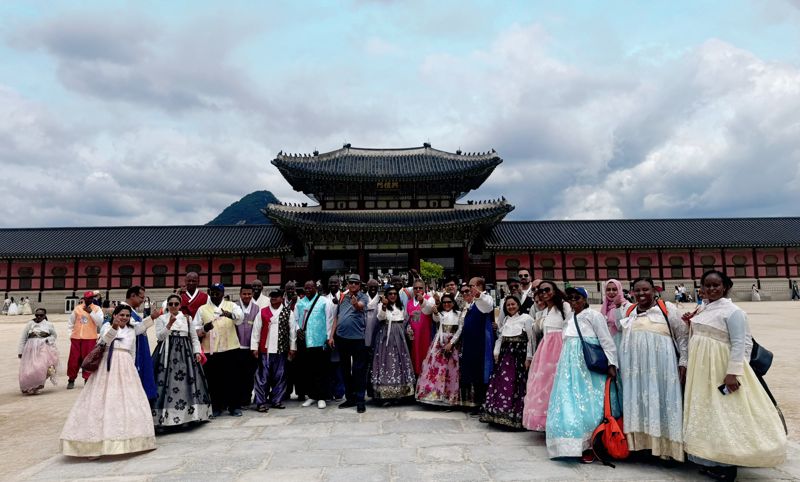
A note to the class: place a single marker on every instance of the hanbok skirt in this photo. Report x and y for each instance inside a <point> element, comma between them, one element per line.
<point>506,392</point>
<point>38,363</point>
<point>182,387</point>
<point>439,381</point>
<point>652,401</point>
<point>26,309</point>
<point>540,382</point>
<point>13,309</point>
<point>111,415</point>
<point>392,370</point>
<point>741,428</point>
<point>576,402</point>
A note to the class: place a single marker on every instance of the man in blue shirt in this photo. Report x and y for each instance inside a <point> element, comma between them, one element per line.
<point>348,336</point>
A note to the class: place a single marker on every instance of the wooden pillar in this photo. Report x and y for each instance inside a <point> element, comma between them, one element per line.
<point>242,281</point>
<point>8,275</point>
<point>210,270</point>
<point>564,266</point>
<point>108,278</point>
<point>74,274</point>
<point>141,275</point>
<point>414,262</point>
<point>362,263</point>
<point>41,279</point>
<point>596,261</point>
<point>467,272</point>
<point>691,265</point>
<point>530,264</point>
<point>175,273</point>
<point>628,264</point>
<point>786,269</point>
<point>660,257</point>
<point>755,267</point>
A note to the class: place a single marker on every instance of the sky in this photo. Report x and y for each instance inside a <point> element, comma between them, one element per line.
<point>150,112</point>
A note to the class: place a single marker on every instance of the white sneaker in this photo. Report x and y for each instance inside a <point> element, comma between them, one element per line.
<point>307,403</point>
<point>321,404</point>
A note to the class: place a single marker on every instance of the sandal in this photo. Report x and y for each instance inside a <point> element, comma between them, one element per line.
<point>262,409</point>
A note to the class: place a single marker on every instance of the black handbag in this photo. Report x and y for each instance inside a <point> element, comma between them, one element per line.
<point>760,359</point>
<point>594,355</point>
<point>301,331</point>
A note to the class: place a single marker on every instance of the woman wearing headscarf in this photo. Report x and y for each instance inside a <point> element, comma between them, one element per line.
<point>38,354</point>
<point>555,315</point>
<point>728,418</point>
<point>614,305</point>
<point>112,414</point>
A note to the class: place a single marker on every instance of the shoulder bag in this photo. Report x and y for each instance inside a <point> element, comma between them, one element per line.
<point>594,355</point>
<point>92,361</point>
<point>301,330</point>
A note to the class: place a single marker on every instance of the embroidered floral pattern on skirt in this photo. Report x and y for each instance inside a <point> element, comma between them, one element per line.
<point>438,383</point>
<point>182,387</point>
<point>392,370</point>
<point>506,392</point>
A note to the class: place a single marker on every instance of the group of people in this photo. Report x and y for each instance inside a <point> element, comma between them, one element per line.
<point>526,368</point>
<point>12,307</point>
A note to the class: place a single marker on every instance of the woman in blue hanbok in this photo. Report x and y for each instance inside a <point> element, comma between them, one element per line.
<point>576,401</point>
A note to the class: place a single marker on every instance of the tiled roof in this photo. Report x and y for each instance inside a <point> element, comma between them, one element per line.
<point>389,220</point>
<point>646,233</point>
<point>141,241</point>
<point>359,164</point>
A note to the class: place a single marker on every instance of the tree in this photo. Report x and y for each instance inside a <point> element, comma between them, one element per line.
<point>430,271</point>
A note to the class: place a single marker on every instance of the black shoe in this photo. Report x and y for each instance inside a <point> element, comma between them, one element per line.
<point>235,412</point>
<point>361,408</point>
<point>279,406</point>
<point>347,404</point>
<point>70,384</point>
<point>216,413</point>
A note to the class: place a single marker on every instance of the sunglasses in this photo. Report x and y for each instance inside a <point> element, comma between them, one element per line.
<point>39,315</point>
<point>173,304</point>
<point>524,276</point>
<point>574,298</point>
<point>447,302</point>
<point>544,290</point>
<point>354,282</point>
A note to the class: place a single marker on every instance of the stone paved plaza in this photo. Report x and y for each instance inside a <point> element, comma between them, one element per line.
<point>407,442</point>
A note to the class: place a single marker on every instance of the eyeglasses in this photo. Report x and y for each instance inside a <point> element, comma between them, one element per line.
<point>173,304</point>
<point>544,290</point>
<point>39,315</point>
<point>524,276</point>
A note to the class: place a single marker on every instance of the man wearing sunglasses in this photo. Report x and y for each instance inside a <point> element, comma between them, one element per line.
<point>527,290</point>
<point>348,334</point>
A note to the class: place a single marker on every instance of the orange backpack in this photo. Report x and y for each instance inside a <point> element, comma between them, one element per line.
<point>608,436</point>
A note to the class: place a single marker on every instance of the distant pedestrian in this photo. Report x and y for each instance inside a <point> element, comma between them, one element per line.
<point>755,295</point>
<point>795,291</point>
<point>38,354</point>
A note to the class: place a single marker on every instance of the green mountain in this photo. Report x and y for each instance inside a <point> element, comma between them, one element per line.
<point>246,210</point>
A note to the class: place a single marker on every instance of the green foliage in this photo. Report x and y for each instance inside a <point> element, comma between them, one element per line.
<point>430,271</point>
<point>246,210</point>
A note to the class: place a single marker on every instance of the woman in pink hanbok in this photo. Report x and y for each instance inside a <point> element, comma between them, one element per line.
<point>438,382</point>
<point>112,414</point>
<point>552,319</point>
<point>38,354</point>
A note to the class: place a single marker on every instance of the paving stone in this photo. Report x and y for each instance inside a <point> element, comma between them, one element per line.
<point>360,428</point>
<point>285,475</point>
<point>433,440</point>
<point>308,458</point>
<point>491,453</point>
<point>216,434</point>
<point>307,430</point>
<point>368,456</point>
<point>511,438</point>
<point>227,463</point>
<point>357,441</point>
<point>267,421</point>
<point>150,465</point>
<point>763,474</point>
<point>534,470</point>
<point>267,446</point>
<point>422,426</point>
<point>434,414</point>
<point>439,471</point>
<point>442,454</point>
<point>362,473</point>
<point>60,467</point>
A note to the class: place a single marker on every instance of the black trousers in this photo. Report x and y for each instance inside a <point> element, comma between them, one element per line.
<point>222,380</point>
<point>353,361</point>
<point>314,369</point>
<point>246,369</point>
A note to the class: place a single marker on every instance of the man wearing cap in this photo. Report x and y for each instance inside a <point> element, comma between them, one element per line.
<point>82,326</point>
<point>273,343</point>
<point>348,336</point>
<point>216,324</point>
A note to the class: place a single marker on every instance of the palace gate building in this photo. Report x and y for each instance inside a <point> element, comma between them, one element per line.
<point>381,211</point>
